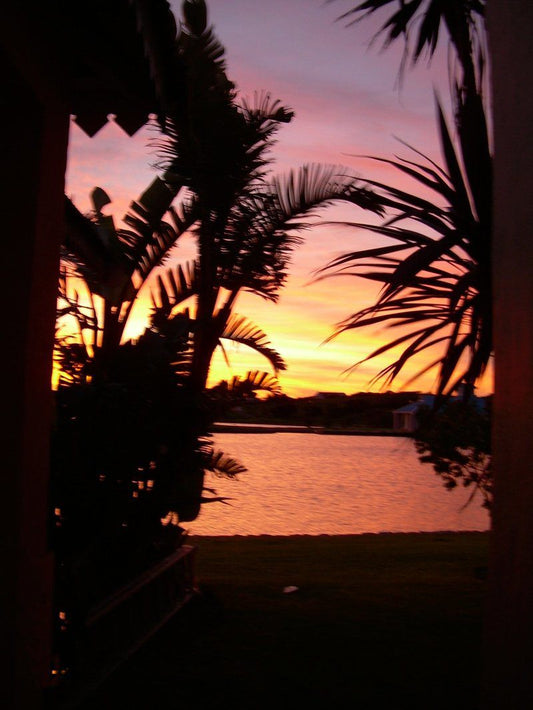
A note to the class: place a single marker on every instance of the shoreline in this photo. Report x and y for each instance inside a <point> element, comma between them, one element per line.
<point>256,428</point>
<point>340,536</point>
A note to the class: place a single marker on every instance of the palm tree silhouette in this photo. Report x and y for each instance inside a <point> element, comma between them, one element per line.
<point>463,21</point>
<point>215,156</point>
<point>248,223</point>
<point>436,281</point>
<point>215,186</point>
<point>249,249</point>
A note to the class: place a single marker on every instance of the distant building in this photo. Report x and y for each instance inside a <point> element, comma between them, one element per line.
<point>405,418</point>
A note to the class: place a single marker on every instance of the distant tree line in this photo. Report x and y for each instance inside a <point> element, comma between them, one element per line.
<point>364,410</point>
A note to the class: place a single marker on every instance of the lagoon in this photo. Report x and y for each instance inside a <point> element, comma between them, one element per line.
<point>312,484</point>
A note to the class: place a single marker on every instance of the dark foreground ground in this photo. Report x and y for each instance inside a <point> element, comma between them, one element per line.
<point>388,621</point>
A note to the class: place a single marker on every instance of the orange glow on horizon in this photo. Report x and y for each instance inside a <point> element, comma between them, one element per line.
<point>298,327</point>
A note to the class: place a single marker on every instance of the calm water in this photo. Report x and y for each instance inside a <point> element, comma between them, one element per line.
<point>313,484</point>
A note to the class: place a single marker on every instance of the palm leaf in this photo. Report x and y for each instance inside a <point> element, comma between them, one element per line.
<point>221,464</point>
<point>240,330</point>
<point>299,192</point>
<point>254,380</point>
<point>459,17</point>
<point>437,276</point>
<point>149,238</point>
<point>174,287</point>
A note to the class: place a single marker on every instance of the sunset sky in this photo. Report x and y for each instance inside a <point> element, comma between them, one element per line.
<point>347,103</point>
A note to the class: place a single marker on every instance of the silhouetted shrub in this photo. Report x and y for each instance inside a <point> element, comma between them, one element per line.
<point>457,442</point>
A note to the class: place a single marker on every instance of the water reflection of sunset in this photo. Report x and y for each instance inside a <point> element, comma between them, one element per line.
<point>373,484</point>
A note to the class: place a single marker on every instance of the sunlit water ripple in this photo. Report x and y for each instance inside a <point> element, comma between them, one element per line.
<point>325,484</point>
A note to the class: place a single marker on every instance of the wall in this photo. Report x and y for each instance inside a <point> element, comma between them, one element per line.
<point>509,634</point>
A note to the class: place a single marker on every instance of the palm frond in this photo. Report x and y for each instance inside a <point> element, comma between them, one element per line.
<point>264,109</point>
<point>433,274</point>
<point>221,464</point>
<point>297,193</point>
<point>253,381</point>
<point>262,227</point>
<point>95,260</point>
<point>149,238</point>
<point>459,17</point>
<point>174,287</point>
<point>240,330</point>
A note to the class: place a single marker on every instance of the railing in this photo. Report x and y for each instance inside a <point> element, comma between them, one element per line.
<point>120,624</point>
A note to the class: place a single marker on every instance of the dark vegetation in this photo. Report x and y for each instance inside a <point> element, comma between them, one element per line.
<point>377,620</point>
<point>434,266</point>
<point>119,403</point>
<point>131,444</point>
<point>457,442</point>
<point>124,450</point>
<point>365,410</point>
<point>131,438</point>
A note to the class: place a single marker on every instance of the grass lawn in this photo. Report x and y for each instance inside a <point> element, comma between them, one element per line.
<point>388,620</point>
